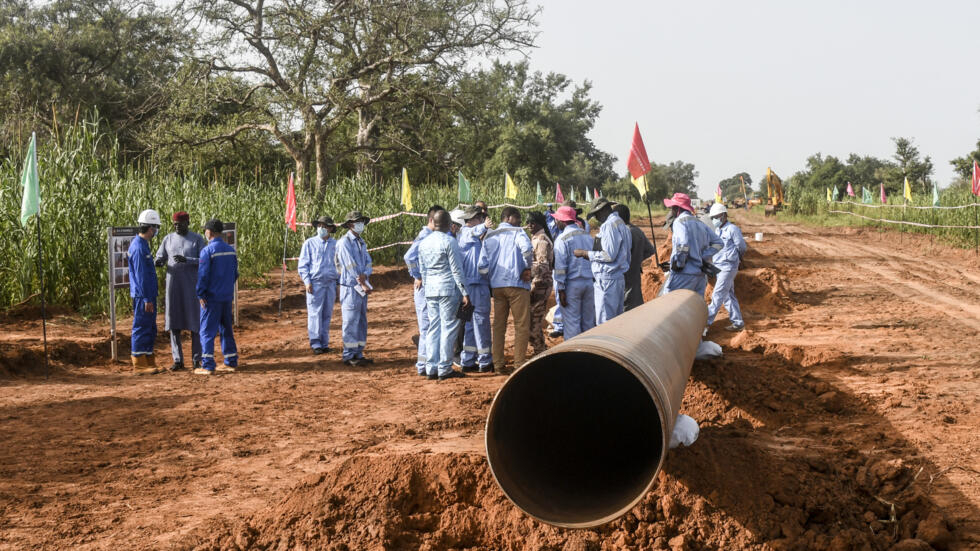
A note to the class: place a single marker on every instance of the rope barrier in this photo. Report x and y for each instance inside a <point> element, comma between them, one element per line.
<point>917,224</point>
<point>871,206</point>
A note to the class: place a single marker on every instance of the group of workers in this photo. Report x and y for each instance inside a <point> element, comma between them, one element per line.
<point>200,288</point>
<point>460,261</point>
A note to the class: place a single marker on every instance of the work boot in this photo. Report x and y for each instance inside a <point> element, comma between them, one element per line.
<point>203,371</point>
<point>735,328</point>
<point>226,369</point>
<point>142,367</point>
<point>469,368</point>
<point>177,366</point>
<point>486,368</point>
<point>451,375</point>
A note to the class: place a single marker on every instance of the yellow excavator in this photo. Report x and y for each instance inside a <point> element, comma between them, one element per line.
<point>774,186</point>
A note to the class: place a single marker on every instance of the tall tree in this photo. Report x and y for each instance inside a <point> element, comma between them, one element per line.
<point>731,187</point>
<point>917,171</point>
<point>316,66</point>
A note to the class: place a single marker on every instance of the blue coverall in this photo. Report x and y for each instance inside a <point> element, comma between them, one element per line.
<point>143,287</point>
<point>421,314</point>
<point>353,260</point>
<point>574,276</point>
<point>476,333</point>
<point>442,275</point>
<point>317,267</point>
<point>216,277</point>
<point>693,243</point>
<point>557,323</point>
<point>609,267</point>
<point>727,259</point>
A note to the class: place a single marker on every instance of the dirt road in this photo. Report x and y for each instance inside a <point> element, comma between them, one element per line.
<point>845,417</point>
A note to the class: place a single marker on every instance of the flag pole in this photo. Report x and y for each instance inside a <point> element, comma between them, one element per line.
<point>976,231</point>
<point>653,236</point>
<point>282,281</point>
<point>40,273</point>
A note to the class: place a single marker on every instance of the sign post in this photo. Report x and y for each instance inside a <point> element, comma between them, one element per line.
<point>231,237</point>
<point>118,241</point>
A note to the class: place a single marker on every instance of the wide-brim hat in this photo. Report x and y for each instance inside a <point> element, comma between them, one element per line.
<point>325,221</point>
<point>472,212</point>
<point>538,218</point>
<point>680,200</point>
<point>566,214</point>
<point>600,204</point>
<point>356,216</point>
<point>571,203</point>
<point>456,216</point>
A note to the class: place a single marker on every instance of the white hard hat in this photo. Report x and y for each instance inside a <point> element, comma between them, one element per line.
<point>717,209</point>
<point>456,215</point>
<point>149,217</point>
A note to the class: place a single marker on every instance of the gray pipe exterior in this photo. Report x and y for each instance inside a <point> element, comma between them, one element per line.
<point>581,475</point>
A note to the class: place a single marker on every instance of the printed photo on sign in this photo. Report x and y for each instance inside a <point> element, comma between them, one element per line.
<point>121,260</point>
<point>121,277</point>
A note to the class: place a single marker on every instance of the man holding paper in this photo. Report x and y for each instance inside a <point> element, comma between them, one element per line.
<point>354,267</point>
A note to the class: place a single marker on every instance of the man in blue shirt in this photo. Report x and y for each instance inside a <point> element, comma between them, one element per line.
<point>573,275</point>
<point>506,260</point>
<point>441,267</point>
<point>318,270</point>
<point>143,288</point>
<point>693,244</point>
<point>217,273</point>
<point>354,266</point>
<point>610,262</point>
<point>726,260</point>
<point>557,326</point>
<point>421,314</point>
<point>476,335</point>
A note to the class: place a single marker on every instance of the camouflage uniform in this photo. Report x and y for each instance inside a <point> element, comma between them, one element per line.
<point>541,283</point>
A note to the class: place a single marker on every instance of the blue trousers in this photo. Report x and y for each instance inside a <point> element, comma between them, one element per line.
<point>579,315</point>
<point>422,316</point>
<point>144,328</point>
<point>694,282</point>
<point>610,295</point>
<point>217,317</point>
<point>558,323</point>
<point>724,295</point>
<point>443,325</point>
<point>319,310</point>
<point>476,338</point>
<point>353,310</point>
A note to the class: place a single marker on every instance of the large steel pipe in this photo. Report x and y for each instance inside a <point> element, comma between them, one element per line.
<point>577,435</point>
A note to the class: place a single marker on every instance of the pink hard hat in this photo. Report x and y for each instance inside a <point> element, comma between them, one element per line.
<point>565,214</point>
<point>680,200</point>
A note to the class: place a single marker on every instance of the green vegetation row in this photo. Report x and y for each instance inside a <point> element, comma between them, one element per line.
<point>85,189</point>
<point>811,205</point>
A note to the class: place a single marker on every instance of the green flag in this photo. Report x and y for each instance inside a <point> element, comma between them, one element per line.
<point>935,195</point>
<point>865,195</point>
<point>464,189</point>
<point>836,192</point>
<point>28,180</point>
<point>572,196</point>
<point>540,198</point>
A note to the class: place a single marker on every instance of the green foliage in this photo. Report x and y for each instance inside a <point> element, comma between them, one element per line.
<point>731,188</point>
<point>963,166</point>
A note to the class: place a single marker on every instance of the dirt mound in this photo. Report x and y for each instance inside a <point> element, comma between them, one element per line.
<point>760,290</point>
<point>20,360</point>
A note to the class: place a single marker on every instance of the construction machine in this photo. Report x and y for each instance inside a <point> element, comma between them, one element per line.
<point>774,186</point>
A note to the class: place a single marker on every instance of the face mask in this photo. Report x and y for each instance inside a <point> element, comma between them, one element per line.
<point>358,228</point>
<point>716,222</point>
<point>322,232</point>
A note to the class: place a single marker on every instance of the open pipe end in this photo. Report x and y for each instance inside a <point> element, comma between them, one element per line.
<point>574,439</point>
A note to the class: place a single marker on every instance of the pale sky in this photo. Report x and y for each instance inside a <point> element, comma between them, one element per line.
<point>742,85</point>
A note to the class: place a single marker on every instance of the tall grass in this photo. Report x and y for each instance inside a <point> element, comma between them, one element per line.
<point>85,189</point>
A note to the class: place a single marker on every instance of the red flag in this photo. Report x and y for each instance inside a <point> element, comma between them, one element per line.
<point>976,178</point>
<point>596,192</point>
<point>637,162</point>
<point>559,198</point>
<point>850,190</point>
<point>291,204</point>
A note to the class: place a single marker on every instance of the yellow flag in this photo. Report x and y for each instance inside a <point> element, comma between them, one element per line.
<point>406,191</point>
<point>908,189</point>
<point>641,185</point>
<point>828,195</point>
<point>510,189</point>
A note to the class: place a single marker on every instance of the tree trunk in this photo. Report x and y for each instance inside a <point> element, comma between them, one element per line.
<point>321,165</point>
<point>301,181</point>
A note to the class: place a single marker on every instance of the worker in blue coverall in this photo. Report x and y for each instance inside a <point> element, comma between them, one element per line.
<point>476,355</point>
<point>441,266</point>
<point>610,263</point>
<point>573,275</point>
<point>318,270</point>
<point>726,260</point>
<point>557,325</point>
<point>143,288</point>
<point>421,314</point>
<point>354,267</point>
<point>693,244</point>
<point>217,273</point>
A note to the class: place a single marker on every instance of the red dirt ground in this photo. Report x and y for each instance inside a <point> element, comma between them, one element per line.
<point>845,417</point>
